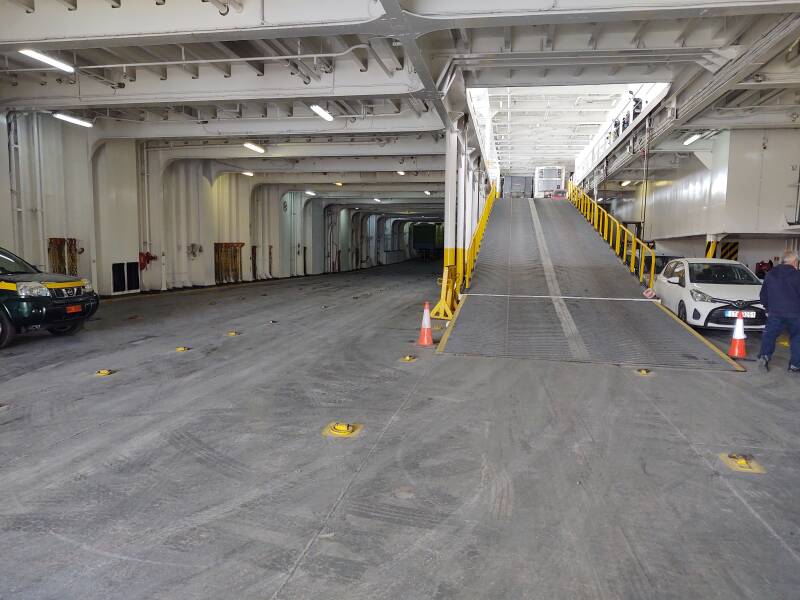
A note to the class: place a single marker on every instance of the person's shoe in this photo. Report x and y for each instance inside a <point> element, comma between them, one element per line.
<point>793,369</point>
<point>763,364</point>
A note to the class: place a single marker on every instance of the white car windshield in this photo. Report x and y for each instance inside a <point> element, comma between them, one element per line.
<point>721,273</point>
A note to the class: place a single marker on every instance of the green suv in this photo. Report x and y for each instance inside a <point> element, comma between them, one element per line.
<point>31,300</point>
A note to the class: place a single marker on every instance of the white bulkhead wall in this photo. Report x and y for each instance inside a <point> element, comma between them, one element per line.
<point>52,181</point>
<point>764,173</point>
<point>750,188</point>
<point>116,210</point>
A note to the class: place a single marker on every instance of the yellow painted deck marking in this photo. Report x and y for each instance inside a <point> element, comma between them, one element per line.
<point>443,342</point>
<point>691,330</point>
<point>741,463</point>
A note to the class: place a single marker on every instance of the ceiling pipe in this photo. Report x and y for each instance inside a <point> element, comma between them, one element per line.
<point>202,61</point>
<point>224,6</point>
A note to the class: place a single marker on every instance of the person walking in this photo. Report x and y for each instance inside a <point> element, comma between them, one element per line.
<point>780,296</point>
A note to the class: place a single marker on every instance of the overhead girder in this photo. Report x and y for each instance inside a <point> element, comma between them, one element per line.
<point>421,181</point>
<point>182,88</point>
<point>388,125</point>
<point>308,163</point>
<point>169,22</point>
<point>690,97</point>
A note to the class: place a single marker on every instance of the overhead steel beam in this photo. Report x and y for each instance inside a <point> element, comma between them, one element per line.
<point>405,31</point>
<point>698,91</point>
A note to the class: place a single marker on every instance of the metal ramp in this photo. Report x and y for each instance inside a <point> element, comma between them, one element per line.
<point>546,286</point>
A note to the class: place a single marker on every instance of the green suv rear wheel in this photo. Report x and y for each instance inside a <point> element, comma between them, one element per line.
<point>7,331</point>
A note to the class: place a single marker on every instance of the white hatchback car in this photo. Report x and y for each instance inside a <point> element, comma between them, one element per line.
<point>709,292</point>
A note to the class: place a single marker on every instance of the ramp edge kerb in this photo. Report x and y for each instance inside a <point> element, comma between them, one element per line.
<point>451,325</point>
<point>736,366</point>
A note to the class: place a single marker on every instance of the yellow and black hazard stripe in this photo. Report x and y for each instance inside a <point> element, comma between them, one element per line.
<point>729,250</point>
<point>711,249</point>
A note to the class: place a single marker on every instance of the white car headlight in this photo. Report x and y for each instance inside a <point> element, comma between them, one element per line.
<point>30,289</point>
<point>87,286</point>
<point>699,296</point>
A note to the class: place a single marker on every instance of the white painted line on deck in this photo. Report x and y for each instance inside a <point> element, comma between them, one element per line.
<point>576,344</point>
<point>563,297</point>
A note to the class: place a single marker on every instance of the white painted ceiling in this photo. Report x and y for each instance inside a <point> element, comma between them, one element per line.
<point>548,125</point>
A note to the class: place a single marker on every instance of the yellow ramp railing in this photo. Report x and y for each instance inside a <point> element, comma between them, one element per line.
<point>622,240</point>
<point>452,277</point>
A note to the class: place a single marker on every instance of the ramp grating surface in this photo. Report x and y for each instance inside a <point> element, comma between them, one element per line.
<point>513,310</point>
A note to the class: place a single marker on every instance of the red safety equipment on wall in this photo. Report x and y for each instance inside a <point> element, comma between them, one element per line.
<point>145,258</point>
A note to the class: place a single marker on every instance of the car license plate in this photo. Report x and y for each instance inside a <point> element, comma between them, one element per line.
<point>747,314</point>
<point>75,308</point>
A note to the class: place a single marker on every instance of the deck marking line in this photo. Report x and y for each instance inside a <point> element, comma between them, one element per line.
<point>574,340</point>
<point>544,297</point>
<point>443,342</point>
<point>713,347</point>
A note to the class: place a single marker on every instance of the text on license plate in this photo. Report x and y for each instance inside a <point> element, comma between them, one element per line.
<point>75,308</point>
<point>747,314</point>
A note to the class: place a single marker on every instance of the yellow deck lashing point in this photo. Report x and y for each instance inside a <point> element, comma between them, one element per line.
<point>342,429</point>
<point>743,463</point>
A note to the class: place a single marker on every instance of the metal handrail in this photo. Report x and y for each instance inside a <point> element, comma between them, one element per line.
<point>621,239</point>
<point>477,237</point>
<point>451,281</point>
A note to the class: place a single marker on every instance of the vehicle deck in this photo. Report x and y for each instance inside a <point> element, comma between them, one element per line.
<point>204,474</point>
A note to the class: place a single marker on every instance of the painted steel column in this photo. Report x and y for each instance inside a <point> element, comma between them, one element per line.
<point>470,207</point>
<point>461,210</point>
<point>7,237</point>
<point>450,184</point>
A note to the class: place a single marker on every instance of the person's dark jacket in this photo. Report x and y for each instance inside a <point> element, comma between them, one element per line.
<point>780,293</point>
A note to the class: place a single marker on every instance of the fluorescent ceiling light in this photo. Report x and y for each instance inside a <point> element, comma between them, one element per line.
<point>47,60</point>
<point>338,183</point>
<point>691,139</point>
<point>310,193</point>
<point>377,199</point>
<point>401,172</point>
<point>73,120</point>
<point>254,147</point>
<point>624,183</point>
<point>321,112</point>
<point>248,173</point>
<point>427,193</point>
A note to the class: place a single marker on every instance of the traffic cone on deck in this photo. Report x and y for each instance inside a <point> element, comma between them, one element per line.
<point>425,333</point>
<point>737,349</point>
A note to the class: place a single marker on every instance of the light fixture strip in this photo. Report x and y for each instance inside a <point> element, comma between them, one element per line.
<point>692,139</point>
<point>62,66</point>
<point>73,120</point>
<point>254,147</point>
<point>321,112</point>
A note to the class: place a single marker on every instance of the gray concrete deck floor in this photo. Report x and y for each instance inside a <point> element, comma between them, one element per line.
<point>204,474</point>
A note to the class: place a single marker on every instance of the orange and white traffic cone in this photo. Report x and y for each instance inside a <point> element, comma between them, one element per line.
<point>737,349</point>
<point>425,332</point>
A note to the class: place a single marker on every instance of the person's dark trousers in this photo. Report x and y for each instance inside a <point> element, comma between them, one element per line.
<point>774,327</point>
